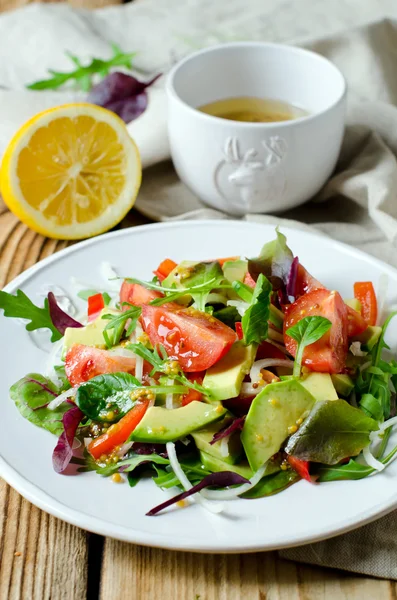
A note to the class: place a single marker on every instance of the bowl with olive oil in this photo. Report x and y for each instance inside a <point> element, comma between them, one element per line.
<point>255,127</point>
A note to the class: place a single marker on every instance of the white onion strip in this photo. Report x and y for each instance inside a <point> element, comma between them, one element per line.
<point>224,447</point>
<point>232,493</point>
<point>169,399</point>
<point>275,335</point>
<point>248,390</point>
<point>268,362</point>
<point>176,467</point>
<point>61,398</point>
<point>371,460</point>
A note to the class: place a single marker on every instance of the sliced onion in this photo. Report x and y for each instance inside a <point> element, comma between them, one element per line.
<point>389,423</point>
<point>268,362</point>
<point>365,366</point>
<point>169,399</point>
<point>216,298</point>
<point>355,349</point>
<point>124,449</point>
<point>120,351</point>
<point>87,441</point>
<point>248,390</point>
<point>224,447</point>
<point>240,305</point>
<point>176,467</point>
<point>275,335</point>
<point>62,398</point>
<point>381,297</point>
<point>232,493</point>
<point>371,460</point>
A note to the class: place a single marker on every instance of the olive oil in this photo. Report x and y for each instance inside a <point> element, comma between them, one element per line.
<point>253,110</point>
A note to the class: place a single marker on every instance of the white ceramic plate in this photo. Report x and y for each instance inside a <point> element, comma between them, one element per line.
<point>301,514</point>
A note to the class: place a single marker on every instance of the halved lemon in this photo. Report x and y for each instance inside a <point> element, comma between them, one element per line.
<point>71,172</point>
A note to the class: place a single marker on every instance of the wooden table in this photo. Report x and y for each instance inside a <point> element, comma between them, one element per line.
<point>43,558</point>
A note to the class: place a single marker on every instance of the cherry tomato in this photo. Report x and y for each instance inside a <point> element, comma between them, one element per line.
<point>196,339</point>
<point>84,362</point>
<point>165,268</point>
<point>118,433</point>
<point>365,294</point>
<point>96,304</point>
<point>328,354</point>
<point>301,467</point>
<point>137,294</point>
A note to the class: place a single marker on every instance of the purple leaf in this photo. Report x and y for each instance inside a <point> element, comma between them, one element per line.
<point>59,318</point>
<point>146,449</point>
<point>63,451</point>
<point>123,94</point>
<point>235,425</point>
<point>221,479</point>
<point>292,277</point>
<point>45,388</point>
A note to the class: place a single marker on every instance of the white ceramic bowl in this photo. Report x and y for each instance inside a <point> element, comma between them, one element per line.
<point>241,167</point>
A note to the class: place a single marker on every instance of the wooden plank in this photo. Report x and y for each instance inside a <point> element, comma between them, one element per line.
<point>150,574</point>
<point>12,4</point>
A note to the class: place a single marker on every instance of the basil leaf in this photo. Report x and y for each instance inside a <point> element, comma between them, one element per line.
<point>274,262</point>
<point>255,319</point>
<point>273,484</point>
<point>306,332</point>
<point>31,395</point>
<point>106,394</point>
<point>333,431</point>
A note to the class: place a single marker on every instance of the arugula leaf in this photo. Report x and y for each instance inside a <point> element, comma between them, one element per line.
<point>274,262</point>
<point>306,332</point>
<point>83,75</point>
<point>21,307</point>
<point>333,431</point>
<point>31,395</point>
<point>115,329</point>
<point>255,319</point>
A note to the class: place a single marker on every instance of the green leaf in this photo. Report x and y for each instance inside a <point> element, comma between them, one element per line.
<point>306,332</point>
<point>371,407</point>
<point>243,290</point>
<point>83,75</point>
<point>31,399</point>
<point>351,470</point>
<point>106,394</point>
<point>85,294</point>
<point>255,319</point>
<point>274,262</point>
<point>228,315</point>
<point>273,484</point>
<point>116,328</point>
<point>333,431</point>
<point>21,307</point>
<point>61,374</point>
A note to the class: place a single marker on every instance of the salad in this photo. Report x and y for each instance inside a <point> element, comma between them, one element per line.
<point>221,379</point>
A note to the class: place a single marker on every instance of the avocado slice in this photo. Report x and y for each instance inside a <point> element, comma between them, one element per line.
<point>160,425</point>
<point>204,436</point>
<point>173,279</point>
<point>369,337</point>
<point>235,270</point>
<point>354,304</point>
<point>320,385</point>
<point>272,417</point>
<point>224,379</point>
<point>89,335</point>
<point>343,384</point>
<point>212,463</point>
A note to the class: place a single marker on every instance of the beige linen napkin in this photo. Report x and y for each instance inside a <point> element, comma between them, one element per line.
<point>357,206</point>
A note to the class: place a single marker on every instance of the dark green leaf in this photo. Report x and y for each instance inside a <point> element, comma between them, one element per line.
<point>273,484</point>
<point>116,327</point>
<point>106,394</point>
<point>274,262</point>
<point>306,332</point>
<point>31,399</point>
<point>371,407</point>
<point>21,307</point>
<point>333,431</point>
<point>255,319</point>
<point>228,315</point>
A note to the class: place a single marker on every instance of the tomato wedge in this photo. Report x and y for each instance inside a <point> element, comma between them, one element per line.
<point>96,303</point>
<point>248,280</point>
<point>328,354</point>
<point>197,340</point>
<point>84,362</point>
<point>193,394</point>
<point>301,467</point>
<point>136,294</point>
<point>239,330</point>
<point>306,283</point>
<point>267,350</point>
<point>165,268</point>
<point>118,433</point>
<point>365,294</point>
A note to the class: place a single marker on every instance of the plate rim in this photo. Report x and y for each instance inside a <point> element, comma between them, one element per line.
<point>50,505</point>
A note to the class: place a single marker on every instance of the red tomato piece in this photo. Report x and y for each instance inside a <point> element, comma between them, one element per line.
<point>96,303</point>
<point>248,280</point>
<point>197,340</point>
<point>193,394</point>
<point>118,433</point>
<point>84,362</point>
<point>137,294</point>
<point>301,467</point>
<point>328,354</point>
<point>365,294</point>
<point>222,261</point>
<point>165,268</point>
<point>239,330</point>
<point>267,350</point>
